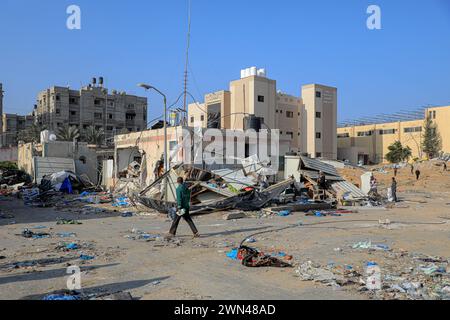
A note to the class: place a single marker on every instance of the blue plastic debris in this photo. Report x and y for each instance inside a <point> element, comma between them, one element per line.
<point>121,202</point>
<point>372,264</point>
<point>233,254</point>
<point>86,257</point>
<point>284,213</point>
<point>60,297</point>
<point>66,186</point>
<point>41,236</point>
<point>72,246</point>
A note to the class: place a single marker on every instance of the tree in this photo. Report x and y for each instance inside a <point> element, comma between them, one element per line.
<point>431,142</point>
<point>68,133</point>
<point>397,153</point>
<point>93,136</point>
<point>31,134</point>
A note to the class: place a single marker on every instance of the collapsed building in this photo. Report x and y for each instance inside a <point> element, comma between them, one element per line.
<point>50,157</point>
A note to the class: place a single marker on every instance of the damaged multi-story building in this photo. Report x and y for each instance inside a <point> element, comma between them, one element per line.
<point>93,105</point>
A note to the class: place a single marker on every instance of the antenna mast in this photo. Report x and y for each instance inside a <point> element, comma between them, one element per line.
<point>187,63</point>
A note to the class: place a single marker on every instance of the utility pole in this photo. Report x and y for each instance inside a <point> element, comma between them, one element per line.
<point>184,122</point>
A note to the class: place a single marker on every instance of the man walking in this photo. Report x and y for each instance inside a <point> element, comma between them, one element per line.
<point>394,189</point>
<point>417,174</point>
<point>183,205</point>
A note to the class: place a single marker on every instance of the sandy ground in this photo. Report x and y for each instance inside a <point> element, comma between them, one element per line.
<point>199,269</point>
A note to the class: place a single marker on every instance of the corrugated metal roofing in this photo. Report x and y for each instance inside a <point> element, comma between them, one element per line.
<point>347,187</point>
<point>315,175</point>
<point>46,166</point>
<point>317,165</point>
<point>236,178</point>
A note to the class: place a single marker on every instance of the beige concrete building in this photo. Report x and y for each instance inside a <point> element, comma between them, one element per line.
<point>1,107</point>
<point>12,124</point>
<point>319,121</point>
<point>55,156</point>
<point>92,105</point>
<point>369,143</point>
<point>308,123</point>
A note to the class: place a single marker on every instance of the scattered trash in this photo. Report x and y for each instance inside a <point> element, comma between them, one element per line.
<point>26,233</point>
<point>233,254</point>
<point>127,214</point>
<point>69,222</point>
<point>66,235</point>
<point>61,297</point>
<point>86,257</point>
<point>284,213</point>
<point>122,202</point>
<point>73,246</point>
<point>370,246</point>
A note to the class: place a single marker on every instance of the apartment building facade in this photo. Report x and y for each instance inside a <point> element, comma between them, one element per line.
<point>12,124</point>
<point>369,143</point>
<point>92,105</point>
<point>1,107</point>
<point>307,123</point>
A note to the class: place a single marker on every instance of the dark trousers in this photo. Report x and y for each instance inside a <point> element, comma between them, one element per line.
<point>188,219</point>
<point>394,195</point>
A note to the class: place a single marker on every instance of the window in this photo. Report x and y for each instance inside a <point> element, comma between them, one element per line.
<point>58,111</point>
<point>260,98</point>
<point>58,97</point>
<point>318,155</point>
<point>98,116</point>
<point>97,102</point>
<point>202,118</point>
<point>344,135</point>
<point>318,94</point>
<point>192,119</point>
<point>318,135</point>
<point>318,115</point>
<point>73,100</point>
<point>83,159</point>
<point>365,133</point>
<point>291,134</point>
<point>130,116</point>
<point>109,128</point>
<point>73,113</point>
<point>110,116</point>
<point>289,114</point>
<point>412,130</point>
<point>387,131</point>
<point>131,106</point>
<point>432,114</point>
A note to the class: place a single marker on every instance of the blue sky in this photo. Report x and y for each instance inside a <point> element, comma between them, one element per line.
<point>403,66</point>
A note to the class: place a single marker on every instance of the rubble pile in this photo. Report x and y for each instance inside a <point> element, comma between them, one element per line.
<point>402,275</point>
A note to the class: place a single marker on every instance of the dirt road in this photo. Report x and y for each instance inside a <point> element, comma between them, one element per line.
<point>199,269</point>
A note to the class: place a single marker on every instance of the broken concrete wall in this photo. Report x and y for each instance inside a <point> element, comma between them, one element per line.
<point>9,154</point>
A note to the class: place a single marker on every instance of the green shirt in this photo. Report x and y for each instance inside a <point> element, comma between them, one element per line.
<point>183,197</point>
